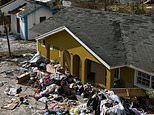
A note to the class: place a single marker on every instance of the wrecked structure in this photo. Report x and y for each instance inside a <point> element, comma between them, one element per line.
<point>101,47</point>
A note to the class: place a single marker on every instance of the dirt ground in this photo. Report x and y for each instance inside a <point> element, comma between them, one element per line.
<point>9,70</point>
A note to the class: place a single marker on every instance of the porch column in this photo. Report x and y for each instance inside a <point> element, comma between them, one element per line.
<point>48,51</point>
<point>109,79</point>
<point>83,71</point>
<point>61,58</point>
<point>71,69</point>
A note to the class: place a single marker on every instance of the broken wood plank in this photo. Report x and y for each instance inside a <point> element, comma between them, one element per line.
<point>23,78</point>
<point>129,92</point>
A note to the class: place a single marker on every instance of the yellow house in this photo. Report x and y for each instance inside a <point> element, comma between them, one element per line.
<point>99,47</point>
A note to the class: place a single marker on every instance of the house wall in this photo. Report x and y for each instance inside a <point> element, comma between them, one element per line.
<point>72,46</point>
<point>99,71</point>
<point>22,27</point>
<point>34,18</point>
<point>127,77</point>
<point>58,41</point>
<point>14,25</point>
<point>2,29</point>
<point>55,55</point>
<point>12,5</point>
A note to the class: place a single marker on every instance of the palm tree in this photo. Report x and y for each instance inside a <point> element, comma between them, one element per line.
<point>6,23</point>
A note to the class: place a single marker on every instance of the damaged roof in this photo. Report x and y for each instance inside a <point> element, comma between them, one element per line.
<point>118,39</point>
<point>25,9</point>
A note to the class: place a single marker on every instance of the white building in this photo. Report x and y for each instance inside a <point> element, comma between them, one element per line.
<point>27,15</point>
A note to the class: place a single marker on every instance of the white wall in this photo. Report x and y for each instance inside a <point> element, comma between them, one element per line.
<point>2,28</point>
<point>34,18</point>
<point>12,5</point>
<point>13,23</point>
<point>22,28</point>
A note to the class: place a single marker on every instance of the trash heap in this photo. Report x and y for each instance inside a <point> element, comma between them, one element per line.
<point>63,94</point>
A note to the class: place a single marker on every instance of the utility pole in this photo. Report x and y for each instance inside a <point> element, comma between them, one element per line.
<point>8,41</point>
<point>6,24</point>
<point>105,5</point>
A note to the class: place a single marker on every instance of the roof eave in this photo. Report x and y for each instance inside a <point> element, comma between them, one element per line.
<point>133,67</point>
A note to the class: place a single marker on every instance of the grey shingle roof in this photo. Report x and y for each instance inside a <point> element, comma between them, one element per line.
<point>119,39</point>
<point>7,3</point>
<point>29,8</point>
<point>25,8</point>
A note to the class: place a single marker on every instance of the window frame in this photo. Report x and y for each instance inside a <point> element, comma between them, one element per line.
<point>43,18</point>
<point>151,80</point>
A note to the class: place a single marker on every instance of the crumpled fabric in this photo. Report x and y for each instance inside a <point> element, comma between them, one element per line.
<point>54,107</point>
<point>113,109</point>
<point>52,88</point>
<point>74,111</point>
<point>82,107</point>
<point>58,76</point>
<point>47,80</point>
<point>113,97</point>
<point>43,99</point>
<point>12,91</point>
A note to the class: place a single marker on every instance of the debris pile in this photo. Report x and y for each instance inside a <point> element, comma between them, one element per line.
<point>63,94</point>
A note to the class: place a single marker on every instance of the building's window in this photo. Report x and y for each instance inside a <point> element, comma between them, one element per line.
<point>145,80</point>
<point>42,19</point>
<point>117,78</point>
<point>117,73</point>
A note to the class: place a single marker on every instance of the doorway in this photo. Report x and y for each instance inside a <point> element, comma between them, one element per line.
<point>90,74</point>
<point>18,25</point>
<point>67,61</point>
<point>77,66</point>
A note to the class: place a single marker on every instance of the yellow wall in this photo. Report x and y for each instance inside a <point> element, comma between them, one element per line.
<point>42,49</point>
<point>55,55</point>
<point>100,72</point>
<point>62,41</point>
<point>109,79</point>
<point>127,77</point>
<point>82,53</point>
